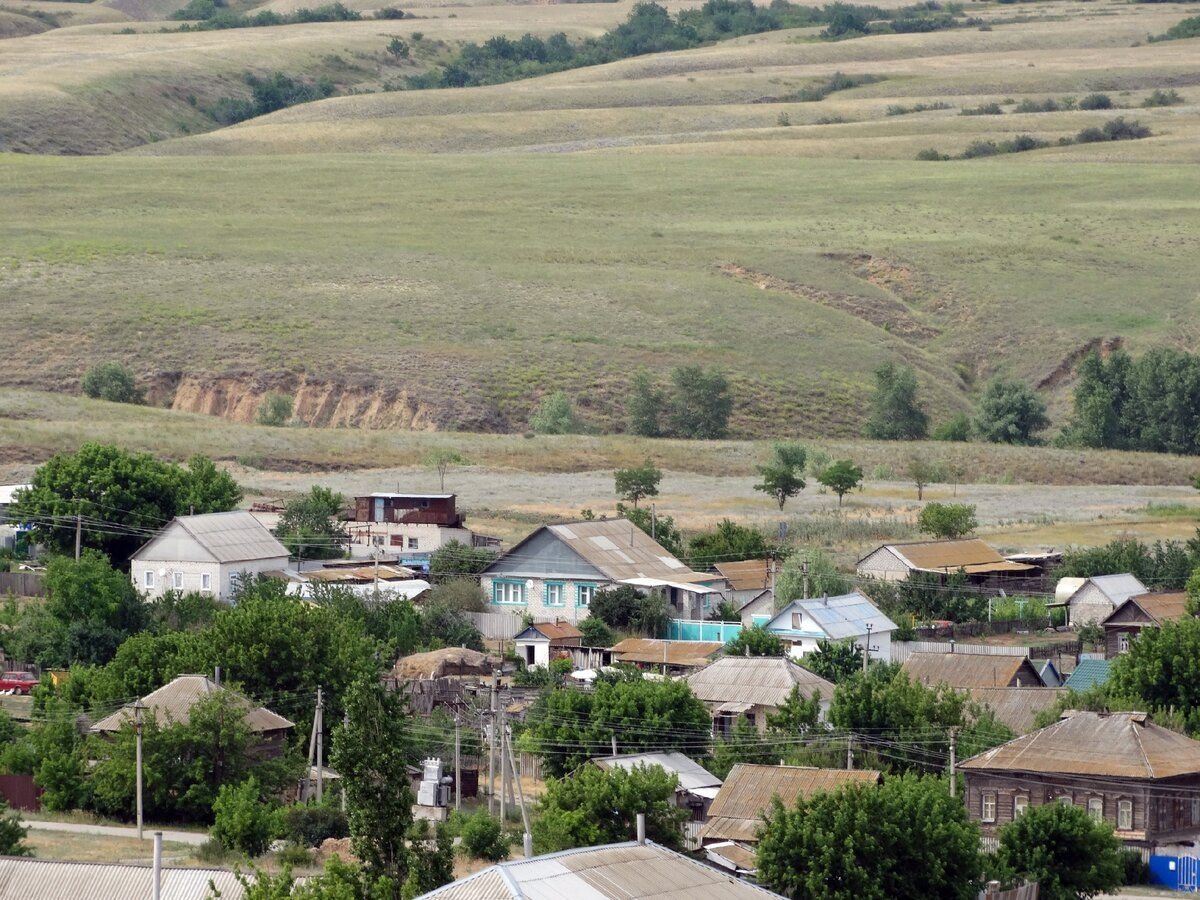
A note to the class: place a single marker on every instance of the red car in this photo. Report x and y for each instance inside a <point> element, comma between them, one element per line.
<point>17,682</point>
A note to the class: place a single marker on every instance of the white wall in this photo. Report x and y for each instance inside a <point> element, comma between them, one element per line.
<point>884,565</point>
<point>881,645</point>
<point>428,537</point>
<point>1088,604</point>
<point>221,577</point>
<point>535,603</point>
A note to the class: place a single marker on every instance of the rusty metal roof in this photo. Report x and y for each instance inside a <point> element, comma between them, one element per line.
<point>45,879</point>
<point>970,554</point>
<point>971,670</point>
<point>756,680</point>
<point>745,575</point>
<point>611,872</point>
<point>1111,745</point>
<point>671,653</point>
<point>1017,707</point>
<point>172,704</point>
<point>1166,606</point>
<point>737,812</point>
<point>557,631</point>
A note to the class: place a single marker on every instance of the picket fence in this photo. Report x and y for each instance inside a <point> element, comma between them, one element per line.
<point>902,650</point>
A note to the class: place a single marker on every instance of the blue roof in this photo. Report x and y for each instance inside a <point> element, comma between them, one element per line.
<point>841,617</point>
<point>1088,674</point>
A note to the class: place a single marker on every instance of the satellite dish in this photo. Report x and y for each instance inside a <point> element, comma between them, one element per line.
<point>162,573</point>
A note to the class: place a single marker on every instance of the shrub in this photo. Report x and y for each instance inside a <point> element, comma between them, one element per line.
<point>483,837</point>
<point>981,148</point>
<point>241,820</point>
<point>1096,101</point>
<point>389,12</point>
<point>309,826</point>
<point>985,109</point>
<point>398,48</point>
<point>783,120</point>
<point>111,381</point>
<point>956,428</point>
<point>899,110</point>
<point>596,633</point>
<point>554,415</point>
<point>931,155</point>
<point>1113,130</point>
<point>1187,28</point>
<point>1135,869</point>
<point>1037,106</point>
<point>1159,97</point>
<point>275,410</point>
<point>295,856</point>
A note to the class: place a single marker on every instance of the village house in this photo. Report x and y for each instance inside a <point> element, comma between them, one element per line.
<point>666,657</point>
<point>750,582</point>
<point>755,687</point>
<point>1120,767</point>
<point>1140,611</point>
<point>802,624</point>
<point>555,572</point>
<point>207,554</point>
<point>1090,600</point>
<point>697,786</point>
<point>538,644</point>
<point>172,704</point>
<point>981,564</point>
<point>972,670</point>
<point>409,527</point>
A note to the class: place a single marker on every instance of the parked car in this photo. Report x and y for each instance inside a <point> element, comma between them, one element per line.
<point>17,682</point>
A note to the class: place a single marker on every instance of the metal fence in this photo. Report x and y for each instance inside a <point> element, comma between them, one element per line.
<point>685,630</point>
<point>23,584</point>
<point>902,650</point>
<point>20,792</point>
<point>501,626</point>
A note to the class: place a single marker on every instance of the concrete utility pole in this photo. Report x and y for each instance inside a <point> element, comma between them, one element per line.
<point>457,765</point>
<point>503,768</point>
<point>137,728</point>
<point>804,573</point>
<point>78,535</point>
<point>953,737</point>
<point>867,649</point>
<point>492,747</point>
<point>850,751</point>
<point>156,884</point>
<point>319,724</point>
<point>512,761</point>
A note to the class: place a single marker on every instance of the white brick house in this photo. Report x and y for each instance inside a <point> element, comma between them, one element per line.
<point>205,554</point>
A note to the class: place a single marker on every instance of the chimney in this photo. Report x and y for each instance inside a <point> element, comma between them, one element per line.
<point>641,828</point>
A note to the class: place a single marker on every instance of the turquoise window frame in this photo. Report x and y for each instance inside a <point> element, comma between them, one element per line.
<point>579,593</point>
<point>562,593</point>
<point>497,583</point>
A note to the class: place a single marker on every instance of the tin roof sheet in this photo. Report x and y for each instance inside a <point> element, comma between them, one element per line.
<point>756,680</point>
<point>1114,745</point>
<point>621,550</point>
<point>746,574</point>
<point>1088,674</point>
<point>173,703</point>
<point>940,556</point>
<point>737,813</point>
<point>1117,588</point>
<point>1166,606</point>
<point>841,617</point>
<point>971,670</point>
<point>671,653</point>
<point>232,536</point>
<point>557,631</point>
<point>692,776</point>
<point>1016,707</point>
<point>45,879</point>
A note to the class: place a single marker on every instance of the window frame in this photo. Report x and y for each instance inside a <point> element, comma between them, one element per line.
<point>148,578</point>
<point>1020,805</point>
<point>1097,814</point>
<point>412,544</point>
<point>177,581</point>
<point>1065,800</point>
<point>1122,641</point>
<point>1124,808</point>
<point>580,588</point>
<point>987,799</point>
<point>504,586</point>
<point>206,581</point>
<point>561,589</point>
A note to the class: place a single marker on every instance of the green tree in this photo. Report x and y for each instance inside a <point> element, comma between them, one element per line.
<point>1069,855</point>
<point>596,633</point>
<point>554,415</point>
<point>595,806</point>
<point>454,559</point>
<point>947,520</point>
<point>841,477</point>
<point>12,833</point>
<point>743,745</point>
<point>442,458</point>
<point>896,415</point>
<point>756,641</point>
<point>637,482</point>
<point>728,543</point>
<point>242,818</point>
<point>203,488</point>
<point>646,405</point>
<point>701,403</point>
<point>824,579</point>
<point>565,726</point>
<point>834,661</point>
<point>274,411</point>
<point>483,837</point>
<point>616,606</point>
<point>921,472</point>
<point>1010,412</point>
<point>661,528</point>
<point>1193,592</point>
<point>113,382</point>
<point>783,477</point>
<point>1161,670</point>
<point>309,527</point>
<point>906,839</point>
<point>956,428</point>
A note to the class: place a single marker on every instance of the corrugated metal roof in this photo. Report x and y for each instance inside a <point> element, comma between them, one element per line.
<point>45,879</point>
<point>557,631</point>
<point>1017,707</point>
<point>621,550</point>
<point>737,813</point>
<point>229,536</point>
<point>627,871</point>
<point>1088,674</point>
<point>758,680</point>
<point>672,653</point>
<point>745,575</point>
<point>1165,606</point>
<point>1117,745</point>
<point>939,556</point>
<point>1117,588</point>
<point>361,574</point>
<point>971,670</point>
<point>840,617</point>
<point>692,776</point>
<point>173,703</point>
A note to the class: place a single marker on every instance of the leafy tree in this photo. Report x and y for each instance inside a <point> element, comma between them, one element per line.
<point>646,405</point>
<point>309,527</point>
<point>729,542</point>
<point>635,483</point>
<point>783,477</point>
<point>956,428</point>
<point>567,726</point>
<point>615,606</point>
<point>595,806</point>
<point>58,749</point>
<point>921,472</point>
<point>1193,593</point>
<point>834,661</point>
<point>242,821</point>
<point>483,837</point>
<point>120,496</point>
<point>309,825</point>
<point>1010,412</point>
<point>446,626</point>
<point>1165,565</point>
<point>947,520</point>
<point>12,833</point>
<point>455,559</point>
<point>274,410</point>
<point>841,477</point>
<point>596,633</point>
<point>906,839</point>
<point>554,415</point>
<point>701,403</point>
<point>1069,855</point>
<point>442,458</point>
<point>113,382</point>
<point>661,528</point>
<point>1162,669</point>
<point>797,715</point>
<point>824,579</point>
<point>744,745</point>
<point>896,415</point>
<point>756,641</point>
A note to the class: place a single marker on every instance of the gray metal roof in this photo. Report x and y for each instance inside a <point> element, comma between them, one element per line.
<point>173,702</point>
<point>45,879</point>
<point>228,536</point>
<point>757,680</point>
<point>628,871</point>
<point>691,774</point>
<point>1117,588</point>
<point>844,616</point>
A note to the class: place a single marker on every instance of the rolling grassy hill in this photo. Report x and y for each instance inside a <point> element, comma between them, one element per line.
<point>441,259</point>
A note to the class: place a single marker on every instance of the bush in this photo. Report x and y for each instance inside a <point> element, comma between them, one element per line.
<point>984,109</point>
<point>1113,130</point>
<point>483,837</point>
<point>981,148</point>
<point>275,410</point>
<point>616,607</point>
<point>241,820</point>
<point>309,826</point>
<point>1136,870</point>
<point>295,856</point>
<point>1159,97</point>
<point>554,415</point>
<point>1187,28</point>
<point>931,155</point>
<point>389,12</point>
<point>1096,101</point>
<point>956,428</point>
<point>398,48</point>
<point>1037,106</point>
<point>596,633</point>
<point>111,381</point>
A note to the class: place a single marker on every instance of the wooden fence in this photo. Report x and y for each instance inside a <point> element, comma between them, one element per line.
<point>902,650</point>
<point>23,584</point>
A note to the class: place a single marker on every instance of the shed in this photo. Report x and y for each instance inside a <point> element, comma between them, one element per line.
<point>849,617</point>
<point>1017,707</point>
<point>672,656</point>
<point>697,786</point>
<point>754,686</point>
<point>895,562</point>
<point>1141,611</point>
<point>441,663</point>
<point>1095,599</point>
<point>972,670</point>
<point>537,643</point>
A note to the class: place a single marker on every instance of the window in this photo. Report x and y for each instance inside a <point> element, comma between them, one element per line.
<point>377,540</point>
<point>989,807</point>
<point>584,594</point>
<point>555,593</point>
<point>412,543</point>
<point>508,592</point>
<point>206,582</point>
<point>1122,641</point>
<point>177,580</point>
<point>149,580</point>
<point>1124,815</point>
<point>1096,808</point>
<point>1195,812</point>
<point>1066,800</point>
<point>1020,804</point>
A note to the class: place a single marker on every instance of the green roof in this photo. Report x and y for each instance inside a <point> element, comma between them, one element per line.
<point>1088,674</point>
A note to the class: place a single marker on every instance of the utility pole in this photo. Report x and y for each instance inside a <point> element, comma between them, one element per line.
<point>345,724</point>
<point>849,751</point>
<point>492,747</point>
<point>614,744</point>
<point>653,523</point>
<point>867,649</point>
<point>78,535</point>
<point>503,768</point>
<point>520,790</point>
<point>953,736</point>
<point>137,728</point>
<point>804,573</point>
<point>457,765</point>
<point>319,725</point>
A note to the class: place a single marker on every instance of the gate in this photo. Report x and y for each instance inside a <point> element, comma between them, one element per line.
<point>1188,870</point>
<point>1176,873</point>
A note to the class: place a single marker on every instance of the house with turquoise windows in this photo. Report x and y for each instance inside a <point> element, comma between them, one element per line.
<point>553,574</point>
